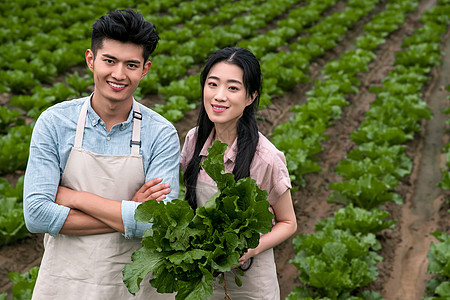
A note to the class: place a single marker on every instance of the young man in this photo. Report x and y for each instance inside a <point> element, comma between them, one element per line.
<point>89,160</point>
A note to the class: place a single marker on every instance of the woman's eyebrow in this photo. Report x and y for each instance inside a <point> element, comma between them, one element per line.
<point>229,80</point>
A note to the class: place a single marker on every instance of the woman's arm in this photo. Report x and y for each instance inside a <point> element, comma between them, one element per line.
<point>285,226</point>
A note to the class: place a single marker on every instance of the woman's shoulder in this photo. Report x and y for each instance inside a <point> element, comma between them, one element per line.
<point>191,136</point>
<point>266,146</point>
<point>267,152</point>
<point>189,140</point>
<point>192,132</point>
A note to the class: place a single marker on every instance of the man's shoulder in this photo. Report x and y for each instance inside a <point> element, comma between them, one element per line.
<point>152,118</point>
<point>68,109</point>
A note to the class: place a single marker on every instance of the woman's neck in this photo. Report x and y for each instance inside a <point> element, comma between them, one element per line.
<point>226,134</point>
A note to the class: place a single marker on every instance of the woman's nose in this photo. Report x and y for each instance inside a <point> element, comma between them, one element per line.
<point>220,95</point>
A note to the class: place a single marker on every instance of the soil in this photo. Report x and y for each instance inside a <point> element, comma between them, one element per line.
<point>403,273</point>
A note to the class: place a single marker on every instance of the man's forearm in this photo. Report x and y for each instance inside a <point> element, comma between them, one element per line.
<point>79,223</point>
<point>105,210</point>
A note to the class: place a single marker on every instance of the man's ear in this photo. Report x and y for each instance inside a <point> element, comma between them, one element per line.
<point>147,66</point>
<point>90,59</point>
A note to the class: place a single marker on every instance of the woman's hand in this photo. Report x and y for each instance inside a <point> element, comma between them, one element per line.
<point>246,256</point>
<point>152,189</point>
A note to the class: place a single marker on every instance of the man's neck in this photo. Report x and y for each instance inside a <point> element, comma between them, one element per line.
<point>112,113</point>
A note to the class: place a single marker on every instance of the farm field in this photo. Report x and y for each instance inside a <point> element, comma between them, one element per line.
<point>290,83</point>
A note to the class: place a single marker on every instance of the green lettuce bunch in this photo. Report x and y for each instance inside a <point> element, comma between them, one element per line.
<point>185,250</point>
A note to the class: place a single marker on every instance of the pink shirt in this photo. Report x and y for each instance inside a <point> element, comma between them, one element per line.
<point>268,167</point>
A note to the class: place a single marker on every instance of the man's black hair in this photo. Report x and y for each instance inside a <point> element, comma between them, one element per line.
<point>127,26</point>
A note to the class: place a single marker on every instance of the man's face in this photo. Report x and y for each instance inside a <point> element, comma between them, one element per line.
<point>118,68</point>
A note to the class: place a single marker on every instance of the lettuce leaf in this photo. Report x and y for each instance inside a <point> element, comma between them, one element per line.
<point>185,250</point>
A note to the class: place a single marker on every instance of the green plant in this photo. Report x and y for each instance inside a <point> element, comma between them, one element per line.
<point>23,284</point>
<point>186,250</point>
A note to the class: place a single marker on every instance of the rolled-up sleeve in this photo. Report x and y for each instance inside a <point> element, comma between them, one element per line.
<point>188,148</point>
<point>164,163</point>
<point>42,214</point>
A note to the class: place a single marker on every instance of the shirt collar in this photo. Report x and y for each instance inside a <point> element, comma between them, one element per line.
<point>230,155</point>
<point>95,119</point>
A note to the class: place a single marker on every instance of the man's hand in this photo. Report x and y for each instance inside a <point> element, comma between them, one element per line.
<point>152,189</point>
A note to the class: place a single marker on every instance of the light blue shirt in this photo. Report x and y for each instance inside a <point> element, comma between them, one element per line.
<point>52,140</point>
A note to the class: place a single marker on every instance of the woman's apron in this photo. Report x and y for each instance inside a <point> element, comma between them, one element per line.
<point>90,267</point>
<point>260,281</point>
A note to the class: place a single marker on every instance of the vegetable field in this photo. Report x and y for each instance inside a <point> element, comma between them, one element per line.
<point>356,94</point>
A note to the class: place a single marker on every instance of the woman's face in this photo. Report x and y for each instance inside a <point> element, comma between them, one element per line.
<point>225,96</point>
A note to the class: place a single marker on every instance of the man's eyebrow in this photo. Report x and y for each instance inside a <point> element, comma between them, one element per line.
<point>230,80</point>
<point>137,62</point>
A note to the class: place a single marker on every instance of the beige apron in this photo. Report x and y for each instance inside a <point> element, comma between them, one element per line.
<point>90,267</point>
<point>260,281</point>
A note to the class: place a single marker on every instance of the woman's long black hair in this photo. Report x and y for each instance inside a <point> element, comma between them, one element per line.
<point>247,128</point>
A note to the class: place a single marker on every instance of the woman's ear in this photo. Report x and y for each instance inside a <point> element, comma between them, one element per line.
<point>251,98</point>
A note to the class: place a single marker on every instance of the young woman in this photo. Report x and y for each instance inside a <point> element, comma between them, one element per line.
<point>231,84</point>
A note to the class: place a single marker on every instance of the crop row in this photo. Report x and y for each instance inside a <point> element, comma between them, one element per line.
<point>183,94</point>
<point>300,138</point>
<point>76,85</point>
<point>439,254</point>
<point>14,143</point>
<point>345,245</point>
<point>16,135</point>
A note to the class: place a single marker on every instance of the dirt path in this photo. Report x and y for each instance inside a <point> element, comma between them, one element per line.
<point>420,213</point>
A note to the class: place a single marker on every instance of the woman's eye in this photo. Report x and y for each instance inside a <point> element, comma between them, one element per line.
<point>212,84</point>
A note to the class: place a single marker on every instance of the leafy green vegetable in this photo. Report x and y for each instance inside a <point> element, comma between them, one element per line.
<point>23,284</point>
<point>335,262</point>
<point>367,191</point>
<point>186,250</point>
<point>14,149</point>
<point>9,118</point>
<point>439,263</point>
<point>358,220</point>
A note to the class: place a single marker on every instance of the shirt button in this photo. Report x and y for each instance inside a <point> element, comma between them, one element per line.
<point>94,122</point>
<point>108,138</point>
<point>122,127</point>
<point>101,123</point>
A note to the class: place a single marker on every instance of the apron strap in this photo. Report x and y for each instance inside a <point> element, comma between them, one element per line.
<point>80,125</point>
<point>135,142</point>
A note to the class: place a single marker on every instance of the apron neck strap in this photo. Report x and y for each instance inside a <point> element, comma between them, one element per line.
<point>80,125</point>
<point>135,142</point>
